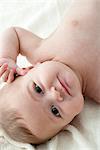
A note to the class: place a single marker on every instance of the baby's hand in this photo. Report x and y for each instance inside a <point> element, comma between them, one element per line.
<point>8,69</point>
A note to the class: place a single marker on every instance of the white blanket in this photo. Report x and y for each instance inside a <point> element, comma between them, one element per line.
<point>42,18</point>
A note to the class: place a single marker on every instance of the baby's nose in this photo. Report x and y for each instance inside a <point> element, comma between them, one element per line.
<point>56,94</point>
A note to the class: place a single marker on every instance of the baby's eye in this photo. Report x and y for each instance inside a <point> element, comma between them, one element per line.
<point>55,111</point>
<point>37,88</point>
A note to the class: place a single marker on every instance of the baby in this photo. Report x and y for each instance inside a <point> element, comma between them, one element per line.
<point>43,100</point>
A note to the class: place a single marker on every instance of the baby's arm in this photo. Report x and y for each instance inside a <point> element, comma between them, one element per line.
<point>17,40</point>
<point>13,41</point>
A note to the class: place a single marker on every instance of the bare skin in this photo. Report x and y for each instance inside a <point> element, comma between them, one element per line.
<point>74,46</point>
<point>75,43</point>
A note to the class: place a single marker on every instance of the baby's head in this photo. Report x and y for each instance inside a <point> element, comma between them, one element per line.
<point>37,106</point>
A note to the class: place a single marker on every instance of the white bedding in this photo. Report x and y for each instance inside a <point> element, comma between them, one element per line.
<point>42,18</point>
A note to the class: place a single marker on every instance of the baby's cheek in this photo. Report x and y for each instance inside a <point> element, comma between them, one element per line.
<point>80,104</point>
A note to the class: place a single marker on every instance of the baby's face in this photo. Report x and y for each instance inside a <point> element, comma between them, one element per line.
<point>48,97</point>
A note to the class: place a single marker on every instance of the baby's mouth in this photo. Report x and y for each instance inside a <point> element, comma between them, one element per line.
<point>64,85</point>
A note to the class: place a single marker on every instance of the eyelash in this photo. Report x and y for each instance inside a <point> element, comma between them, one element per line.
<point>53,108</point>
<point>38,89</point>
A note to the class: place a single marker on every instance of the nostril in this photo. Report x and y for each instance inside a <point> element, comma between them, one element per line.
<point>59,97</point>
<point>57,94</point>
<point>55,88</point>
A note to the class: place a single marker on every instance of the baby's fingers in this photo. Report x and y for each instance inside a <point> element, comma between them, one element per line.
<point>11,76</point>
<point>3,68</point>
<point>21,71</point>
<point>5,75</point>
